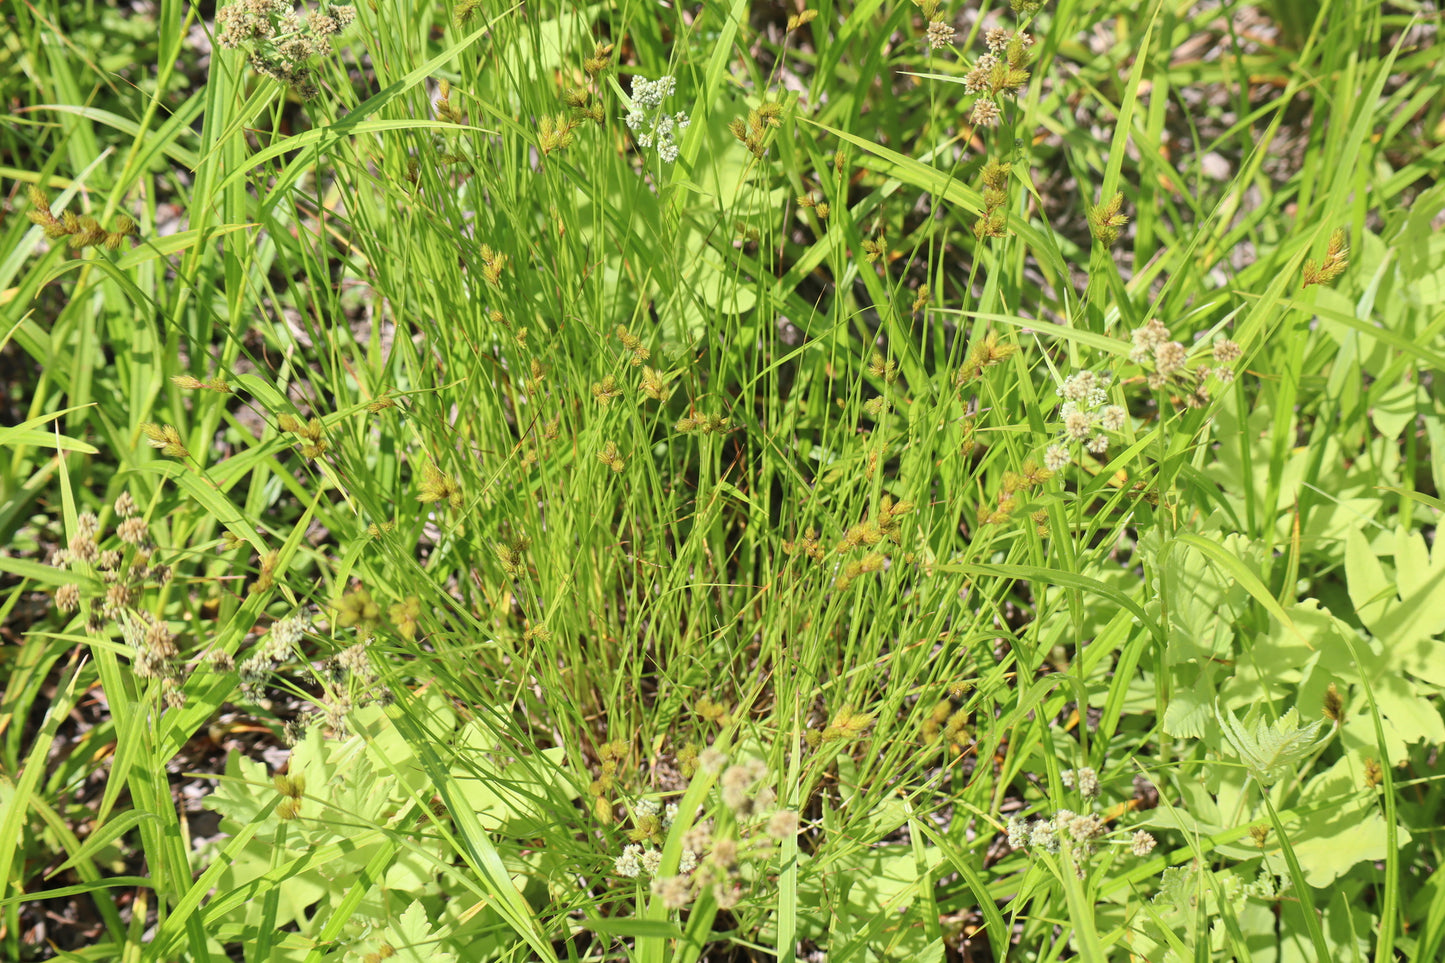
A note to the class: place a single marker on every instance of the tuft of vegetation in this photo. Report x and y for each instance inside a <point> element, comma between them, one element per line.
<point>722,480</point>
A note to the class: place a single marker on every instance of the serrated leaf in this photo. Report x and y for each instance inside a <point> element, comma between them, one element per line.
<point>1269,751</point>
<point>243,794</point>
<point>413,939</point>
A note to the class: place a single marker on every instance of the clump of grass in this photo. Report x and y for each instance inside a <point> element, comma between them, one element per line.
<point>918,449</point>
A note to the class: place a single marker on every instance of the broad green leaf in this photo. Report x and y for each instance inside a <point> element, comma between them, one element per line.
<point>1345,830</point>
<point>1395,407</point>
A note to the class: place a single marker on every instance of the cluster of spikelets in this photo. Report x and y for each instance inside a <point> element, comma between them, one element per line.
<point>753,132</point>
<point>79,231</point>
<point>281,42</point>
<point>848,725</point>
<point>557,131</point>
<point>983,77</point>
<point>439,486</point>
<point>983,353</point>
<point>111,591</point>
<point>939,32</point>
<point>1016,484</point>
<point>704,423</point>
<point>277,648</point>
<point>1000,72</point>
<point>1081,833</point>
<point>610,757</point>
<point>633,344</point>
<point>1107,220</point>
<point>718,856</point>
<point>867,535</point>
<point>611,456</point>
<point>993,220</point>
<point>358,610</point>
<point>1333,264</point>
<point>946,725</point>
<point>310,434</point>
<point>806,202</point>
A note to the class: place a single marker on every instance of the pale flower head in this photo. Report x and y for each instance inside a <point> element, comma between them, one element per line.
<point>1078,425</point>
<point>630,862</point>
<point>985,113</point>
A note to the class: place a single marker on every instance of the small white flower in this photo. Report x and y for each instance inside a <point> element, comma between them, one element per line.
<point>1043,836</point>
<point>1056,457</point>
<point>1077,386</point>
<point>1113,418</point>
<point>628,863</point>
<point>1085,828</point>
<point>1077,425</point>
<point>711,760</point>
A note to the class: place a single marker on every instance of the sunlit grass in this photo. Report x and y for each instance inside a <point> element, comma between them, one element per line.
<point>517,460</point>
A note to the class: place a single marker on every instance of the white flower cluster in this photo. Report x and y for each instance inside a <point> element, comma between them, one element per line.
<point>634,861</point>
<point>647,121</point>
<point>650,807</point>
<point>1084,829</point>
<point>1045,834</point>
<point>637,861</point>
<point>1085,416</point>
<point>1086,778</point>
